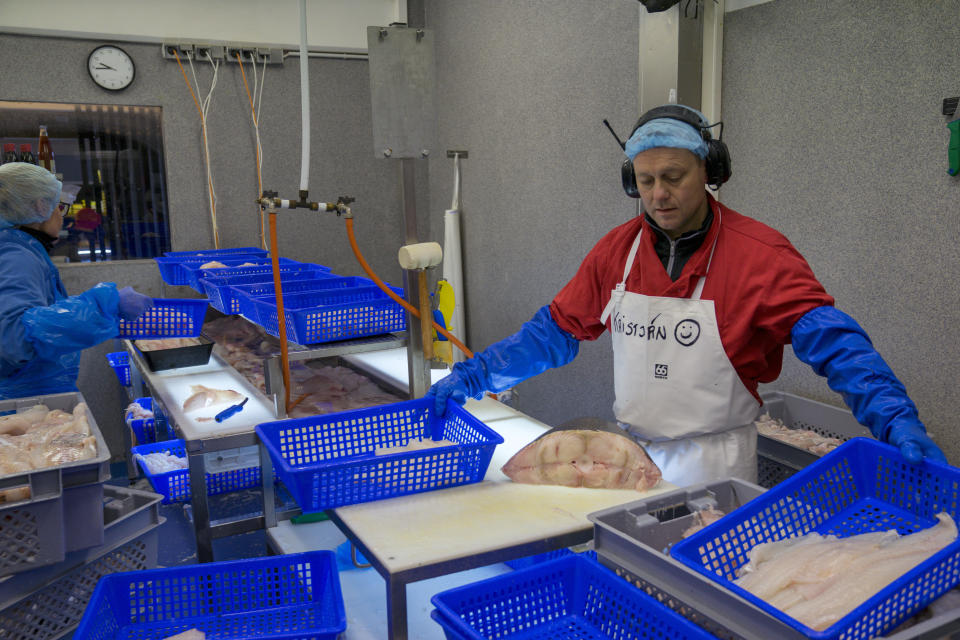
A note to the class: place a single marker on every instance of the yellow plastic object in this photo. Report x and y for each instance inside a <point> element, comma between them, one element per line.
<point>445,301</point>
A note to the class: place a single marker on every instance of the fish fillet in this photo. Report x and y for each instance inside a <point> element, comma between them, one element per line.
<point>701,519</point>
<point>192,634</point>
<point>205,397</point>
<point>800,438</point>
<point>598,457</point>
<point>166,343</point>
<point>819,579</point>
<point>19,423</point>
<point>418,444</point>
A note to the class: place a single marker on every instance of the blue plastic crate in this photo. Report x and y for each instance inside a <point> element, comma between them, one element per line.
<point>167,318</point>
<point>173,272</point>
<point>860,487</point>
<point>329,461</point>
<point>194,272</point>
<point>224,292</point>
<point>570,597</point>
<point>287,597</point>
<point>284,266</point>
<point>333,314</point>
<point>175,485</point>
<point>145,429</point>
<point>120,361</point>
<point>254,251</point>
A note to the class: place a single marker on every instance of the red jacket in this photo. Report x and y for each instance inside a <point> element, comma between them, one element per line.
<point>759,282</point>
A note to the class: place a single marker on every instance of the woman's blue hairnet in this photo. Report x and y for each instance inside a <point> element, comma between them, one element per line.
<point>28,194</point>
<point>667,132</point>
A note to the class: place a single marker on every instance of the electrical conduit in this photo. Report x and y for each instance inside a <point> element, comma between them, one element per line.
<point>253,112</point>
<point>203,128</point>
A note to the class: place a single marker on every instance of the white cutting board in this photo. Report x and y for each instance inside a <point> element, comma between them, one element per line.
<point>175,390</point>
<point>425,528</point>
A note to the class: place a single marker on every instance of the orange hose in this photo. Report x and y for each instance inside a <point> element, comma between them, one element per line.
<point>281,317</point>
<point>203,128</point>
<point>298,401</point>
<point>256,149</point>
<point>403,303</point>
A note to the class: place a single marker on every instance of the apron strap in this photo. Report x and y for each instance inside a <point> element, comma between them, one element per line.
<point>703,279</point>
<point>622,285</point>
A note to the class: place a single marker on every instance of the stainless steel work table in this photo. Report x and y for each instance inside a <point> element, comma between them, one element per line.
<point>169,388</point>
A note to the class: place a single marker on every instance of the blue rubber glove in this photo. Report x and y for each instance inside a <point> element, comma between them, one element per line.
<point>133,304</point>
<point>837,348</point>
<point>539,345</point>
<point>914,443</point>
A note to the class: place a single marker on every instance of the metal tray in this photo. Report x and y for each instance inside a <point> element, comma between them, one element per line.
<point>162,359</point>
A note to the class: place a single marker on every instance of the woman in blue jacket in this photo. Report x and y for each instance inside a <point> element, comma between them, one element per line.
<point>42,329</point>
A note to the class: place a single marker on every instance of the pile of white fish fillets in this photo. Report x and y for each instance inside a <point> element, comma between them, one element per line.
<point>167,343</point>
<point>38,438</point>
<point>819,579</point>
<point>801,438</point>
<point>162,462</point>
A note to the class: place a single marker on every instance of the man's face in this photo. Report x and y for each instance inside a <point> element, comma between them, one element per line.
<point>671,184</point>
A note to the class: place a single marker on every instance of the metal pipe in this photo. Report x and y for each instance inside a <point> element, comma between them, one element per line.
<point>304,101</point>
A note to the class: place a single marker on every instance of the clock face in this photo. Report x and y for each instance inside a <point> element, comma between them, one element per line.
<point>111,67</point>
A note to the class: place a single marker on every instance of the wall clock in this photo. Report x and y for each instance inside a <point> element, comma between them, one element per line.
<point>111,67</point>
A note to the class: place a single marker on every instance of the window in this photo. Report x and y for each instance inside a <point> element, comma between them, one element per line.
<point>111,157</point>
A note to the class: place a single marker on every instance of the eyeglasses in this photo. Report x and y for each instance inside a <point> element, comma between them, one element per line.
<point>63,207</point>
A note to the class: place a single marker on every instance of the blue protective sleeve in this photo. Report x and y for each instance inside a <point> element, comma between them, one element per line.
<point>837,348</point>
<point>73,323</point>
<point>539,345</point>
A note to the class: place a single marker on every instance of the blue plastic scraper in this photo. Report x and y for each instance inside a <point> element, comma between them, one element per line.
<point>229,411</point>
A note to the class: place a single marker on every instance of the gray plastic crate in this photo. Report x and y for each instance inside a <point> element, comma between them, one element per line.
<point>777,461</point>
<point>633,539</point>
<point>48,482</point>
<point>82,517</point>
<point>62,512</point>
<point>48,603</point>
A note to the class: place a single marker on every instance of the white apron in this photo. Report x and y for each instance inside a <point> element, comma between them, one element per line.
<point>676,391</point>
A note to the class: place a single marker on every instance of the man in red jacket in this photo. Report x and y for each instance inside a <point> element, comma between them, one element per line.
<point>700,301</point>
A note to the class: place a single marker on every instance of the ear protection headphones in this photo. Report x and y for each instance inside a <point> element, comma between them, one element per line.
<point>717,160</point>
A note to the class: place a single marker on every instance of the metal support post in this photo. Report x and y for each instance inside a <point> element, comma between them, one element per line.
<point>417,367</point>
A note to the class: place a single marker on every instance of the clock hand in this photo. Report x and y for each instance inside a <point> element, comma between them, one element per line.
<point>104,66</point>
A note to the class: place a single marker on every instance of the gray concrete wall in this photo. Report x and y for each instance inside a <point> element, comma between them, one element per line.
<point>833,118</point>
<point>524,88</point>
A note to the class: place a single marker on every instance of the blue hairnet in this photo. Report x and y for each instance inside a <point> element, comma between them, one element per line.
<point>667,132</point>
<point>22,185</point>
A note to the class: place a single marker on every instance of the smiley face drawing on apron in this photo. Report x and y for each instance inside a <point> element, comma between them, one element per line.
<point>677,392</point>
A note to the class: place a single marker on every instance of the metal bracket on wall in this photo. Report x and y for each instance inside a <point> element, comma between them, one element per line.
<point>225,52</point>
